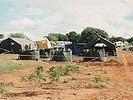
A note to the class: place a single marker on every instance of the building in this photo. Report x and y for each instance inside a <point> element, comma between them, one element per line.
<point>119,44</point>
<point>100,46</point>
<point>17,45</point>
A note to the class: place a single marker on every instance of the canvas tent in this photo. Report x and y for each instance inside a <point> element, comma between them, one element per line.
<point>100,43</point>
<point>44,47</point>
<point>77,48</point>
<point>17,45</point>
<point>43,43</point>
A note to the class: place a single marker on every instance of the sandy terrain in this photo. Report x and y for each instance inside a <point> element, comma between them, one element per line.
<point>117,74</point>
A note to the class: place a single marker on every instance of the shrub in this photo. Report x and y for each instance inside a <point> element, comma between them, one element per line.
<point>3,87</point>
<point>34,80</point>
<point>70,68</point>
<point>56,72</point>
<point>98,79</point>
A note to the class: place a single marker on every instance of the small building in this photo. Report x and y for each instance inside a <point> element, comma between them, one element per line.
<point>101,43</point>
<point>98,48</point>
<point>119,44</point>
<point>17,45</point>
<point>44,46</point>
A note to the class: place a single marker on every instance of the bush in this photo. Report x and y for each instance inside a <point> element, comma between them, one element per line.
<point>34,80</point>
<point>56,72</point>
<point>70,68</point>
<point>3,87</point>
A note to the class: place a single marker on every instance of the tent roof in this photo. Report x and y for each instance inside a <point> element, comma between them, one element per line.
<point>99,39</point>
<point>43,43</point>
<point>76,48</point>
<point>23,42</point>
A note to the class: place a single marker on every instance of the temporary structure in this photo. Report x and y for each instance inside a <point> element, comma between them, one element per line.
<point>100,43</point>
<point>77,48</point>
<point>18,45</point>
<point>43,43</point>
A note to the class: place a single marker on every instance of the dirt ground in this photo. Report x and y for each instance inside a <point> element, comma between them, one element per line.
<point>117,73</point>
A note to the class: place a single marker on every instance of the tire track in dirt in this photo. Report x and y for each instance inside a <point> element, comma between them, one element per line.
<point>127,67</point>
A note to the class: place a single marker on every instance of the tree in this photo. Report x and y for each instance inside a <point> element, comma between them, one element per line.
<point>89,33</point>
<point>130,40</point>
<point>79,38</point>
<point>18,35</point>
<point>72,36</point>
<point>62,37</point>
<point>2,36</point>
<point>115,39</point>
<point>52,37</point>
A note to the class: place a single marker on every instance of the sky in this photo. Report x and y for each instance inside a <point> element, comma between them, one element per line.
<point>37,18</point>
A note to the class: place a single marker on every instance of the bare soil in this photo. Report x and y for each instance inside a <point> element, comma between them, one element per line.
<point>117,73</point>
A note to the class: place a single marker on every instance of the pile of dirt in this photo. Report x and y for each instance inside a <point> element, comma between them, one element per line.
<point>96,63</point>
<point>113,63</point>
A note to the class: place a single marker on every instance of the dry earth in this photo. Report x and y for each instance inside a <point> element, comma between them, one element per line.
<point>117,74</point>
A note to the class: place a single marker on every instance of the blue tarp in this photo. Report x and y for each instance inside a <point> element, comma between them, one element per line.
<point>76,48</point>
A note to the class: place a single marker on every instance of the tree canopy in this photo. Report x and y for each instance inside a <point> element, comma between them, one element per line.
<point>18,35</point>
<point>86,35</point>
<point>115,39</point>
<point>52,37</point>
<point>2,36</point>
<point>62,37</point>
<point>89,33</point>
<point>72,36</point>
<point>57,37</point>
<point>130,40</point>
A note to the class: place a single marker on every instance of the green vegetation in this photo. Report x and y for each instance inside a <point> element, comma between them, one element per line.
<point>99,80</point>
<point>74,37</point>
<point>2,36</point>
<point>90,33</point>
<point>86,35</point>
<point>8,66</point>
<point>3,86</point>
<point>56,72</point>
<point>34,80</point>
<point>18,35</point>
<point>70,68</point>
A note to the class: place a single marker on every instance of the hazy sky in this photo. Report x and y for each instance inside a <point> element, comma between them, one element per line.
<point>37,18</point>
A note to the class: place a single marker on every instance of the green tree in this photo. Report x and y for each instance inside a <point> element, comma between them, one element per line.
<point>115,39</point>
<point>130,40</point>
<point>18,35</point>
<point>62,37</point>
<point>52,37</point>
<point>89,33</point>
<point>72,36</point>
<point>2,36</point>
<point>79,38</point>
